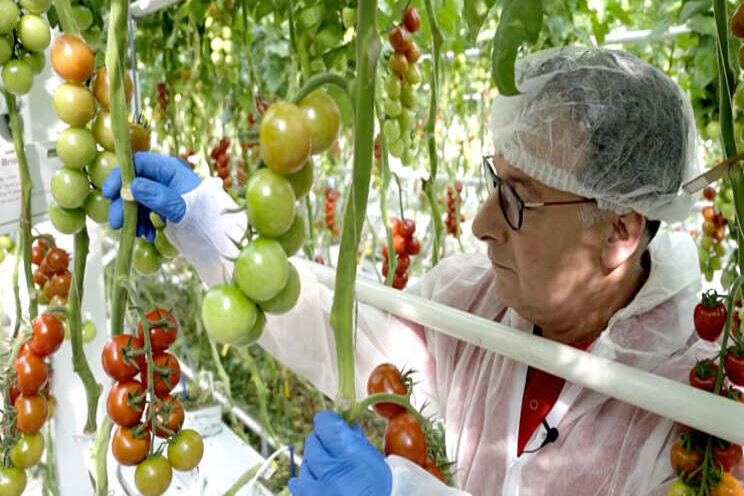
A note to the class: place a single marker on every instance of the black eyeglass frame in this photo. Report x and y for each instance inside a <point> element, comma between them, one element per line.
<point>496,182</point>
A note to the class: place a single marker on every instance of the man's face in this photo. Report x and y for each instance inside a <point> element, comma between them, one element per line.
<point>544,269</point>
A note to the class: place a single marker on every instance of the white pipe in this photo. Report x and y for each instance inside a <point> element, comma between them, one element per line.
<point>141,8</point>
<point>709,413</point>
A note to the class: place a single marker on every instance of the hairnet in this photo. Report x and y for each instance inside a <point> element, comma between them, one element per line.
<point>601,124</point>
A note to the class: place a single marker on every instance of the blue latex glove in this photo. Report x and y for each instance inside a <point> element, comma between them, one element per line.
<point>160,183</point>
<point>339,460</point>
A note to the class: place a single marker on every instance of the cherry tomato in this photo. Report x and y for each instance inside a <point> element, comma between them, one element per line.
<point>163,385</point>
<point>414,53</point>
<point>414,246</point>
<point>262,269</point>
<point>292,240</point>
<point>728,486</point>
<point>40,278</point>
<point>36,6</point>
<point>72,59</point>
<point>76,147</point>
<point>57,259</point>
<point>709,193</point>
<point>400,40</point>
<point>302,180</point>
<point>227,314</point>
<point>407,228</point>
<point>399,65</point>
<point>83,17</point>
<point>129,449</point>
<point>703,375</point>
<point>89,331</point>
<point>683,461</point>
<point>66,221</point>
<point>139,138</point>
<point>404,437</point>
<point>27,451</point>
<point>386,378</point>
<point>125,403</point>
<point>678,488</point>
<point>74,104</point>
<point>17,77</point>
<point>33,33</point>
<point>61,283</point>
<point>734,366</point>
<point>399,242</point>
<point>103,132</point>
<point>48,335</point>
<point>145,258</point>
<point>269,202</point>
<point>737,22</point>
<point>323,118</point>
<point>404,261</point>
<point>31,413</point>
<point>101,87</point>
<point>709,322</point>
<point>153,476</point>
<point>114,360</point>
<point>411,19</point>
<point>10,16</point>
<point>186,450</point>
<point>431,467</point>
<point>12,479</point>
<point>729,455</point>
<point>285,138</point>
<point>161,336</point>
<point>37,254</point>
<point>31,374</point>
<point>400,281</point>
<point>97,206</point>
<point>286,299</point>
<point>69,187</point>
<point>172,420</point>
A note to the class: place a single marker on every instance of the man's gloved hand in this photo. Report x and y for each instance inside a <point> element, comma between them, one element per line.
<point>160,183</point>
<point>339,460</point>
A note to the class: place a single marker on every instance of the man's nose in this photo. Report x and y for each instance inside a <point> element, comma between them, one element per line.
<point>490,223</point>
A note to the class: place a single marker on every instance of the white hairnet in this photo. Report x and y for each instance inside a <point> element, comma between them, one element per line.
<point>601,124</point>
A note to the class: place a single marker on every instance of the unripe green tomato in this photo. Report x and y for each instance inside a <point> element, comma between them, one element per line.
<point>408,96</point>
<point>145,259</point>
<point>74,104</point>
<point>66,221</point>
<point>739,96</point>
<point>27,451</point>
<point>706,242</point>
<point>10,16</point>
<point>727,210</point>
<point>76,147</point>
<point>97,206</point>
<point>12,479</point>
<point>302,180</point>
<point>719,249</point>
<point>407,121</point>
<point>713,129</point>
<point>6,243</point>
<point>35,61</point>
<point>262,269</point>
<point>103,131</point>
<point>292,240</point>
<point>708,272</point>
<point>408,157</point>
<point>18,77</point>
<point>323,119</point>
<point>226,32</point>
<point>270,202</point>
<point>228,315</point>
<point>101,167</point>
<point>728,194</point>
<point>36,6</point>
<point>703,256</point>
<point>89,331</point>
<point>413,75</point>
<point>33,32</point>
<point>6,49</point>
<point>391,129</point>
<point>83,17</point>
<point>164,246</point>
<point>392,107</point>
<point>69,187</point>
<point>286,299</point>
<point>715,262</point>
<point>396,148</point>
<point>392,86</point>
<point>255,332</point>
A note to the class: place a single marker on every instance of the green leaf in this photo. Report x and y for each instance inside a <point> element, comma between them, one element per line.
<point>475,13</point>
<point>691,9</point>
<point>703,24</point>
<point>521,21</point>
<point>616,9</point>
<point>599,28</point>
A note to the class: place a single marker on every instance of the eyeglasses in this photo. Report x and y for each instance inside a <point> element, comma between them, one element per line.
<point>512,206</point>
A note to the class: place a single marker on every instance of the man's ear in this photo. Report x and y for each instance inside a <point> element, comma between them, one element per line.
<point>626,235</point>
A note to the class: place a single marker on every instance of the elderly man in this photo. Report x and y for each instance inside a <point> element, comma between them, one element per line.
<point>587,161</point>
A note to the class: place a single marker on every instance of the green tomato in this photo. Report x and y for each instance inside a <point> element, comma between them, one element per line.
<point>9,16</point>
<point>255,332</point>
<point>153,476</point>
<point>74,104</point>
<point>35,61</point>
<point>103,132</point>
<point>97,206</point>
<point>100,169</point>
<point>678,488</point>
<point>408,96</point>
<point>397,148</point>
<point>33,33</point>
<point>18,77</point>
<point>392,107</point>
<point>349,16</point>
<point>391,129</point>
<point>715,262</point>
<point>719,249</point>
<point>413,75</point>
<point>287,297</point>
<point>6,49</point>
<point>292,240</point>
<point>713,130</point>
<point>66,221</point>
<point>145,259</point>
<point>703,256</point>
<point>89,331</point>
<point>407,121</point>
<point>227,314</point>
<point>186,450</point>
<point>6,243</point>
<point>27,451</point>
<point>302,180</point>
<point>269,202</point>
<point>727,210</point>
<point>12,479</point>
<point>392,87</point>
<point>36,6</point>
<point>729,195</point>
<point>83,17</point>
<point>69,187</point>
<point>262,269</point>
<point>164,246</point>
<point>285,138</point>
<point>76,147</point>
<point>408,156</point>
<point>706,242</point>
<point>323,119</point>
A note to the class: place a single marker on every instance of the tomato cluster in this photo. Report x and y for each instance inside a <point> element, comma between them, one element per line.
<point>221,162</point>
<point>400,86</point>
<point>404,435</point>
<point>218,24</point>
<point>715,219</point>
<point>453,221</point>
<point>24,35</point>
<point>405,244</point>
<point>687,457</point>
<point>51,275</point>
<point>330,211</point>
<point>124,359</point>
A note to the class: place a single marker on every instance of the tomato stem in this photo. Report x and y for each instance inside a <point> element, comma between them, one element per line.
<point>66,18</point>
<point>16,289</point>
<point>262,392</point>
<point>100,453</point>
<point>385,172</point>
<point>399,399</point>
<point>317,81</point>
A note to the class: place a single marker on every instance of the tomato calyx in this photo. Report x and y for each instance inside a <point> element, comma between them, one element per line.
<point>703,375</point>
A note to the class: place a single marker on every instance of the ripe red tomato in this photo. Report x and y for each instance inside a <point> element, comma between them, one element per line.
<point>118,366</point>
<point>709,321</point>
<point>386,378</point>
<point>31,374</point>
<point>125,403</point>
<point>728,486</point>
<point>48,335</point>
<point>433,469</point>
<point>31,412</point>
<point>186,450</point>
<point>729,455</point>
<point>404,261</point>
<point>414,246</point>
<point>404,437</point>
<point>703,375</point>
<point>413,53</point>
<point>407,228</point>
<point>40,278</point>
<point>400,40</point>
<point>60,284</point>
<point>57,259</point>
<point>400,281</point>
<point>395,223</point>
<point>161,336</point>
<point>170,414</point>
<point>37,254</point>
<point>129,449</point>
<point>163,385</point>
<point>72,58</point>
<point>709,193</point>
<point>734,366</point>
<point>683,461</point>
<point>411,19</point>
<point>45,269</point>
<point>399,242</point>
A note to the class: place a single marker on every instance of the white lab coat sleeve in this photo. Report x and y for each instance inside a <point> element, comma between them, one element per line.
<point>411,480</point>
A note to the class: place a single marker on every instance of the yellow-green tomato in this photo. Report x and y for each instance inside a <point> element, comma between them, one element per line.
<point>33,32</point>
<point>103,132</point>
<point>186,450</point>
<point>36,6</point>
<point>285,138</point>
<point>76,147</point>
<point>6,242</point>
<point>17,76</point>
<point>89,331</point>
<point>302,180</point>
<point>27,451</point>
<point>65,220</point>
<point>12,479</point>
<point>322,116</point>
<point>69,187</point>
<point>83,17</point>
<point>97,206</point>
<point>74,104</point>
<point>287,297</point>
<point>145,258</point>
<point>680,489</point>
<point>100,169</point>
<point>227,314</point>
<point>292,240</point>
<point>269,202</point>
<point>262,269</point>
<point>35,61</point>
<point>153,476</point>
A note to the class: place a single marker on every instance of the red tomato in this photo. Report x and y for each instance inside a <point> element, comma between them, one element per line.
<point>31,374</point>
<point>734,366</point>
<point>411,19</point>
<point>400,40</point>
<point>125,403</point>
<point>709,322</point>
<point>404,261</point>
<point>404,437</point>
<point>385,378</point>
<point>40,278</point>
<point>710,193</point>
<point>433,469</point>
<point>164,385</point>
<point>115,362</point>
<point>414,246</point>
<point>400,281</point>
<point>407,228</point>
<point>37,254</point>
<point>683,461</point>
<point>60,283</point>
<point>170,414</point>
<point>31,412</point>
<point>48,335</point>
<point>57,259</point>
<point>399,242</point>
<point>45,269</point>
<point>395,223</point>
<point>129,449</point>
<point>703,375</point>
<point>161,336</point>
<point>728,456</point>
